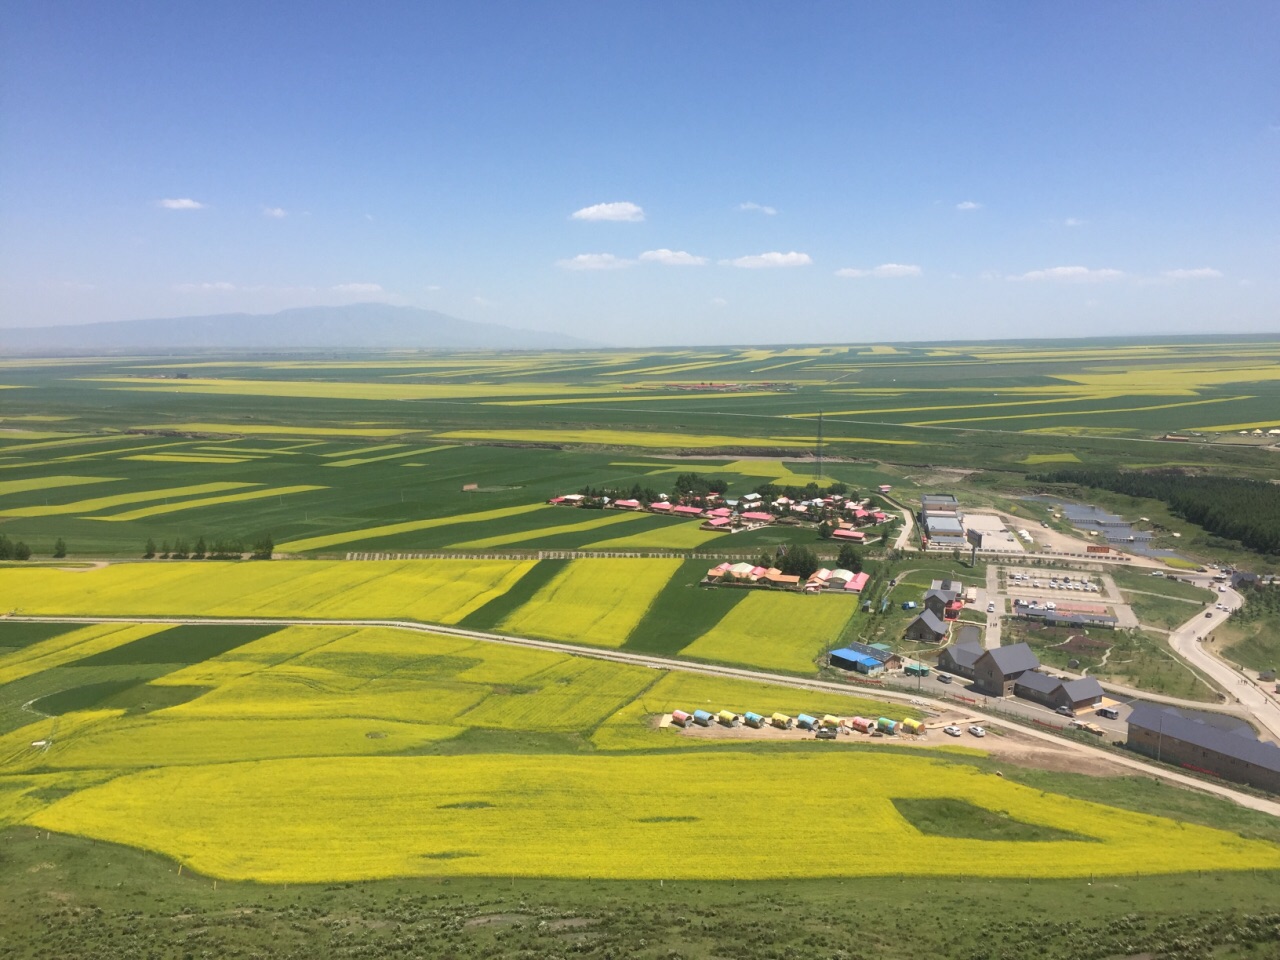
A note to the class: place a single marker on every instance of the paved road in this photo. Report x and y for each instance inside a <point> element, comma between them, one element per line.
<point>1188,642</point>
<point>664,663</point>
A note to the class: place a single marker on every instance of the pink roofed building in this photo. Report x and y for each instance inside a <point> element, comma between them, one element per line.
<point>627,504</point>
<point>857,583</point>
<point>856,536</point>
<point>885,488</point>
<point>756,516</point>
<point>721,512</point>
<point>660,507</point>
<point>879,516</point>
<point>719,524</point>
<point>758,572</point>
<point>684,511</point>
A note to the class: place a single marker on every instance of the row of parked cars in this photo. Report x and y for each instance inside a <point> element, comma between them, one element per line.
<point>1065,583</point>
<point>954,731</point>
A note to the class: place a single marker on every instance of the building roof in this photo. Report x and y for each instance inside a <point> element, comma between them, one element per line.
<point>1015,658</point>
<point>660,505</point>
<point>858,582</point>
<point>840,573</point>
<point>955,586</point>
<point>688,511</point>
<point>856,656</point>
<point>843,534</point>
<point>970,634</point>
<point>946,596</point>
<point>757,516</point>
<point>1039,682</point>
<point>964,654</point>
<point>880,654</point>
<point>944,526</point>
<point>1201,731</point>
<point>1086,688</point>
<point>719,522</point>
<point>930,620</point>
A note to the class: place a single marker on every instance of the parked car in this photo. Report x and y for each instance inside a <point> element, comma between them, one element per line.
<point>826,733</point>
<point>977,731</point>
<point>991,607</point>
<point>1065,711</point>
<point>1111,713</point>
<point>951,731</point>
<point>944,678</point>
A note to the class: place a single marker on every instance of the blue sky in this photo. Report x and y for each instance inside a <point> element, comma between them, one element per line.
<point>741,172</point>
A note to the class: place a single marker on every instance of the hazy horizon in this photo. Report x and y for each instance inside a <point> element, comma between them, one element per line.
<point>658,175</point>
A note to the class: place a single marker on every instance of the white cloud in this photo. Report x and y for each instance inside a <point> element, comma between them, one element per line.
<point>220,287</point>
<point>594,261</point>
<point>673,258</point>
<point>622,211</point>
<point>180,203</point>
<point>276,213</point>
<point>1196,273</point>
<point>719,302</point>
<point>480,301</point>
<point>758,208</point>
<point>762,261</point>
<point>884,270</point>
<point>1073,222</point>
<point>433,287</point>
<point>967,205</point>
<point>1072,274</point>
<point>371,288</point>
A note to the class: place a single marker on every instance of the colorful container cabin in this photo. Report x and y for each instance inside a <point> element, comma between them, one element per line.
<point>831,722</point>
<point>680,718</point>
<point>702,718</point>
<point>862,724</point>
<point>913,727</point>
<point>806,722</point>
<point>728,718</point>
<point>885,725</point>
<point>753,720</point>
<point>782,721</point>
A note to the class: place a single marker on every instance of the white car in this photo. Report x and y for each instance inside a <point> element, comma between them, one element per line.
<point>991,607</point>
<point>951,731</point>
<point>1051,605</point>
<point>977,731</point>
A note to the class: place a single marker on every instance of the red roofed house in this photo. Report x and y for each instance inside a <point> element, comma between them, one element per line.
<point>857,536</point>
<point>627,504</point>
<point>857,583</point>
<point>660,507</point>
<point>880,517</point>
<point>885,488</point>
<point>758,517</point>
<point>720,512</point>
<point>721,524</point>
<point>687,511</point>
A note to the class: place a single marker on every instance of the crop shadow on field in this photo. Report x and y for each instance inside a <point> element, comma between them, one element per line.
<point>185,644</point>
<point>489,740</point>
<point>132,695</point>
<point>681,612</point>
<point>958,819</point>
<point>17,635</point>
<point>499,608</point>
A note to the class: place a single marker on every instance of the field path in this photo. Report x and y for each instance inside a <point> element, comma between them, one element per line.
<point>662,663</point>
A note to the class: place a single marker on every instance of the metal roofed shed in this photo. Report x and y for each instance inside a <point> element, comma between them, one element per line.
<point>702,718</point>
<point>753,720</point>
<point>728,718</point>
<point>680,718</point>
<point>806,722</point>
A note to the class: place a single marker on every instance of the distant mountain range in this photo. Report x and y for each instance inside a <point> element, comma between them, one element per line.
<point>360,326</point>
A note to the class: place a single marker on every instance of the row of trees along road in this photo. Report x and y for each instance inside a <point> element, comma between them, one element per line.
<point>263,549</point>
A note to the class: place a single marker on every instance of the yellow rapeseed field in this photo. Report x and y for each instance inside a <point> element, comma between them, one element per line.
<point>357,461</point>
<point>575,694</point>
<point>683,816</point>
<point>178,741</point>
<point>675,536</point>
<point>443,591</point>
<point>596,602</point>
<point>263,429</point>
<point>775,631</point>
<point>407,526</point>
<point>188,458</point>
<point>595,520</point>
<point>209,502</point>
<point>120,499</point>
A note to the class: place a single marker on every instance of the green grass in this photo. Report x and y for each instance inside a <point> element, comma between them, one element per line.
<point>1164,613</point>
<point>945,817</point>
<point>1255,645</point>
<point>14,635</point>
<point>681,612</point>
<point>76,899</point>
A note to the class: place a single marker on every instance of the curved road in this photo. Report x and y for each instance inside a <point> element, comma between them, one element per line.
<point>664,663</point>
<point>1187,643</point>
